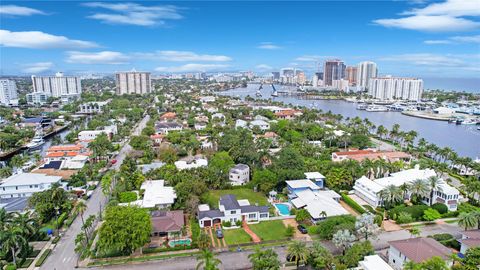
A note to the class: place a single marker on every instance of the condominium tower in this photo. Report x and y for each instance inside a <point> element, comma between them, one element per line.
<point>8,91</point>
<point>133,82</point>
<point>333,70</point>
<point>390,88</point>
<point>365,71</point>
<point>58,85</point>
<point>351,75</point>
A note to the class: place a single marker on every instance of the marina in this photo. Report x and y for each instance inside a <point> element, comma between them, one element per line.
<point>464,139</point>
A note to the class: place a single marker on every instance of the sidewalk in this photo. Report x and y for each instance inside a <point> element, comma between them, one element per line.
<point>47,246</point>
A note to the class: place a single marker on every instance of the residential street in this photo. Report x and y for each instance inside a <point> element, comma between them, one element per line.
<point>64,256</point>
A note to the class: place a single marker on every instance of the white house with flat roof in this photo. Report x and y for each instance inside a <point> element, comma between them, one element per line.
<point>373,262</point>
<point>156,195</point>
<point>196,163</point>
<point>304,194</point>
<point>25,184</point>
<point>261,124</point>
<point>239,174</point>
<point>316,177</point>
<point>90,135</point>
<point>368,190</point>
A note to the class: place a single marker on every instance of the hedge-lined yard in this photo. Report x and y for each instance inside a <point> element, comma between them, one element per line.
<point>43,257</point>
<point>353,204</point>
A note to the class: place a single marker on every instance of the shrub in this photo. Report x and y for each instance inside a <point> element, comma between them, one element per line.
<point>195,229</point>
<point>61,219</point>
<point>404,217</point>
<point>440,207</point>
<point>450,214</point>
<point>127,196</point>
<point>302,215</point>
<point>227,224</point>
<point>326,228</point>
<point>238,223</point>
<point>26,263</point>
<point>415,211</point>
<point>378,220</point>
<point>447,240</point>
<point>431,214</point>
<point>353,204</point>
<point>290,231</point>
<point>10,267</point>
<point>56,239</point>
<point>43,257</point>
<point>467,208</point>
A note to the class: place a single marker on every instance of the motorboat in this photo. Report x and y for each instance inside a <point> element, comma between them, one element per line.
<point>362,106</point>
<point>396,107</point>
<point>470,122</point>
<point>376,108</point>
<point>37,141</point>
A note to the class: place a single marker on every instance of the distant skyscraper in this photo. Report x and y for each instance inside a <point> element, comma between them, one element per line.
<point>8,91</point>
<point>333,70</point>
<point>300,77</point>
<point>390,88</point>
<point>365,71</point>
<point>351,75</point>
<point>133,82</point>
<point>317,79</point>
<point>58,85</point>
<point>276,75</point>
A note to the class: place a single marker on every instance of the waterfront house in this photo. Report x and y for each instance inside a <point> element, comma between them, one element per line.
<point>167,223</point>
<point>239,174</point>
<point>90,135</point>
<point>66,152</point>
<point>360,155</point>
<point>417,250</point>
<point>305,194</point>
<point>470,239</point>
<point>368,190</point>
<point>232,210</point>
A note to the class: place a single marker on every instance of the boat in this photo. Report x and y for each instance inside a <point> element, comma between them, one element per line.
<point>362,106</point>
<point>274,92</point>
<point>258,93</point>
<point>37,141</point>
<point>470,122</point>
<point>376,108</point>
<point>396,107</point>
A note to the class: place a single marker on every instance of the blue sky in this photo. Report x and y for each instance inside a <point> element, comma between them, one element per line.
<point>407,38</point>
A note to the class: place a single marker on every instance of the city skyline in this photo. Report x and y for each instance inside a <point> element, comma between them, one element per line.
<point>431,39</point>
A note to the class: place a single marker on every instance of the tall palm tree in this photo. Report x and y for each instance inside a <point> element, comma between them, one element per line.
<point>265,259</point>
<point>80,208</point>
<point>298,251</point>
<point>467,220</point>
<point>391,195</point>
<point>207,261</point>
<point>5,218</point>
<point>405,187</point>
<point>11,240</point>
<point>434,185</point>
<point>419,188</point>
<point>26,223</point>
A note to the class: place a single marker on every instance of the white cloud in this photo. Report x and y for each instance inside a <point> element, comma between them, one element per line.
<point>263,67</point>
<point>103,57</point>
<point>13,10</point>
<point>40,40</point>
<point>447,16</point>
<point>268,46</point>
<point>193,67</point>
<point>430,23</point>
<point>456,39</point>
<point>39,67</point>
<point>427,59</point>
<point>184,56</point>
<point>312,58</point>
<point>135,14</point>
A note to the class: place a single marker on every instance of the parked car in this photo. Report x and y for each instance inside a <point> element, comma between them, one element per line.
<point>302,229</point>
<point>113,161</point>
<point>219,233</point>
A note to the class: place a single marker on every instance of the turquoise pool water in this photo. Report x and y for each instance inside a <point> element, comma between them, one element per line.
<point>181,242</point>
<point>283,209</point>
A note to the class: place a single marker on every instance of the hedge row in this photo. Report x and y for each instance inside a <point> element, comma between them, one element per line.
<point>43,257</point>
<point>353,204</point>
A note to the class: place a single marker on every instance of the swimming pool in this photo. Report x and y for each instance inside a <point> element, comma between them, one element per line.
<point>181,242</point>
<point>283,209</point>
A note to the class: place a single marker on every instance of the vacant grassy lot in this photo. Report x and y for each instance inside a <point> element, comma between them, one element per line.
<point>213,196</point>
<point>269,230</point>
<point>236,236</point>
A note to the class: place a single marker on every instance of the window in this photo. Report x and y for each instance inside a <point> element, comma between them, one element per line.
<point>252,215</point>
<point>264,215</point>
<point>233,212</point>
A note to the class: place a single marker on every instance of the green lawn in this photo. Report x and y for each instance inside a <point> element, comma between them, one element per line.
<point>269,230</point>
<point>236,236</point>
<point>213,196</point>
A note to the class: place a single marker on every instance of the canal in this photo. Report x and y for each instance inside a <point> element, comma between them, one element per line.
<point>464,139</point>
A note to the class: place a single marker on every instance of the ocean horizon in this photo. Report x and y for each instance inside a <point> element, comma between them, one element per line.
<point>471,85</point>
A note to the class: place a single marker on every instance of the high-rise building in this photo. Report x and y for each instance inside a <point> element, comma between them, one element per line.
<point>300,77</point>
<point>365,71</point>
<point>351,75</point>
<point>133,82</point>
<point>391,88</point>
<point>317,80</point>
<point>276,75</point>
<point>341,85</point>
<point>333,70</point>
<point>58,85</point>
<point>8,91</point>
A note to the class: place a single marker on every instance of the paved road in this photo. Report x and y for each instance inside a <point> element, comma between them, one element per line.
<point>64,256</point>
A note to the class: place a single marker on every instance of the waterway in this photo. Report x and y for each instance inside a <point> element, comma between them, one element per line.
<point>464,139</point>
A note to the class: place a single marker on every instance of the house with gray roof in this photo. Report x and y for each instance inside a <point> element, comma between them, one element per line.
<point>232,210</point>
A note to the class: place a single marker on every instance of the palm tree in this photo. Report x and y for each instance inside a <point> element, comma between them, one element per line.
<point>418,188</point>
<point>207,261</point>
<point>264,259</point>
<point>391,195</point>
<point>26,223</point>
<point>476,214</point>
<point>405,187</point>
<point>5,218</point>
<point>298,251</point>
<point>12,239</point>
<point>467,220</point>
<point>434,185</point>
<point>80,208</point>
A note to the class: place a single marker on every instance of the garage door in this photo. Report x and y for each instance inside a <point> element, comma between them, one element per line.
<point>207,223</point>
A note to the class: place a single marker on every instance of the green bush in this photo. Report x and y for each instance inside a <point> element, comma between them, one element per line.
<point>378,220</point>
<point>26,263</point>
<point>447,240</point>
<point>238,223</point>
<point>10,267</point>
<point>450,214</point>
<point>195,228</point>
<point>127,196</point>
<point>404,217</point>
<point>467,208</point>
<point>227,224</point>
<point>43,257</point>
<point>56,239</point>
<point>431,214</point>
<point>34,253</point>
<point>440,207</point>
<point>415,211</point>
<point>326,228</point>
<point>353,204</point>
<point>290,231</point>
